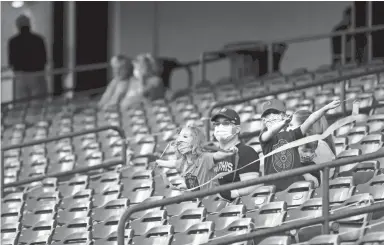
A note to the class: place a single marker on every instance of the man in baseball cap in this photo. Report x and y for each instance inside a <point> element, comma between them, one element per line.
<point>238,168</point>
<point>274,104</point>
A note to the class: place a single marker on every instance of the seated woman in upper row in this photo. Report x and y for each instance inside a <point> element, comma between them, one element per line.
<point>134,82</point>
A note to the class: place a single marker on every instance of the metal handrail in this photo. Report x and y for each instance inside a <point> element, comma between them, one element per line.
<point>286,90</point>
<point>262,180</point>
<point>270,44</point>
<point>56,138</point>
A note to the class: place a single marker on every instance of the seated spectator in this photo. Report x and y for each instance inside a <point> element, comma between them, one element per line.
<point>315,152</point>
<point>195,165</point>
<point>276,135</point>
<point>122,71</point>
<point>227,130</point>
<point>146,83</point>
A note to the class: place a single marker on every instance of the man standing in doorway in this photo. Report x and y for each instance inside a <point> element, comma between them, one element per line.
<point>27,55</point>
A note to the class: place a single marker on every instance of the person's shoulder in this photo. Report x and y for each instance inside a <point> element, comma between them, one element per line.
<point>14,38</point>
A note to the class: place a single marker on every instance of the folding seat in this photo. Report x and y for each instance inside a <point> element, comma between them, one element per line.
<point>310,209</point>
<point>356,134</point>
<point>262,195</point>
<point>370,143</point>
<point>40,233</point>
<point>196,234</point>
<point>77,210</point>
<point>344,130</point>
<point>188,218</point>
<point>82,225</point>
<point>325,239</point>
<point>148,221</point>
<point>375,123</point>
<point>375,188</point>
<point>105,228</point>
<point>138,215</point>
<point>129,176</point>
<point>65,163</point>
<point>236,228</point>
<point>276,240</point>
<point>105,181</point>
<point>226,216</point>
<point>157,235</point>
<point>214,204</point>
<point>78,238</point>
<point>178,208</point>
<point>110,193</point>
<point>346,154</point>
<point>44,198</point>
<point>269,215</point>
<point>74,185</point>
<point>296,194</point>
<point>340,189</point>
<point>112,208</point>
<point>46,211</point>
<point>10,233</point>
<point>82,196</point>
<point>362,172</point>
<point>32,172</point>
<point>372,238</point>
<point>352,228</point>
<point>139,191</point>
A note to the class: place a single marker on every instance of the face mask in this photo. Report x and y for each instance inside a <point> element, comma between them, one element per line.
<point>307,156</point>
<point>183,147</point>
<point>224,134</point>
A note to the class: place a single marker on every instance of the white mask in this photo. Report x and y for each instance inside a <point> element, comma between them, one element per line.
<point>184,148</point>
<point>224,133</point>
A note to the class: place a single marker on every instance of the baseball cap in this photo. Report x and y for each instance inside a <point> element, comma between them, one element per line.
<point>273,104</point>
<point>229,114</point>
<point>22,21</point>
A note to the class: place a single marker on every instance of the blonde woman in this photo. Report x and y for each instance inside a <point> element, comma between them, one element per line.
<point>146,83</point>
<point>194,165</point>
<point>122,71</point>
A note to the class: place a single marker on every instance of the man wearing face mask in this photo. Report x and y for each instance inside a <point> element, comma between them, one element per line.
<point>226,130</point>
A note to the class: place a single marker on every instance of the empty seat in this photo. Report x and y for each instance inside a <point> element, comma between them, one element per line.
<point>139,191</point>
<point>340,189</point>
<point>325,239</point>
<point>276,240</point>
<point>106,181</point>
<point>362,172</point>
<point>10,232</point>
<point>226,216</point>
<point>262,195</point>
<point>110,193</point>
<point>78,210</point>
<point>375,188</point>
<point>76,225</point>
<point>41,232</point>
<point>372,238</point>
<point>78,238</point>
<point>214,203</point>
<point>158,235</point>
<point>44,212</point>
<point>346,154</point>
<point>296,194</point>
<point>188,218</point>
<point>112,208</point>
<point>80,196</point>
<point>196,234</point>
<point>369,144</point>
<point>237,227</point>
<point>179,208</point>
<point>74,185</point>
<point>148,221</point>
<point>45,198</point>
<point>140,214</point>
<point>269,215</point>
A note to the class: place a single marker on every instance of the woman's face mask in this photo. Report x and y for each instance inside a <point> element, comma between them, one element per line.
<point>184,142</point>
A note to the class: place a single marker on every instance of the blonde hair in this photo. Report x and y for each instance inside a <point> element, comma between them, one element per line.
<point>119,61</point>
<point>198,140</point>
<point>317,128</point>
<point>152,66</point>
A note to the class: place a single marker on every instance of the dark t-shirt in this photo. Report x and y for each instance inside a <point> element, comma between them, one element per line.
<point>285,160</point>
<point>246,155</point>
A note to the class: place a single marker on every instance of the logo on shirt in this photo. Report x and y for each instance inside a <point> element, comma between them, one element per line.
<point>191,181</point>
<point>282,161</point>
<point>224,166</point>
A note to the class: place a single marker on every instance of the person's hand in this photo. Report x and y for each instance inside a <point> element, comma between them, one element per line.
<point>334,104</point>
<point>310,177</point>
<point>287,119</point>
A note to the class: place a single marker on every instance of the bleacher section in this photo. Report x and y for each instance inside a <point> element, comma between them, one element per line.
<point>85,209</point>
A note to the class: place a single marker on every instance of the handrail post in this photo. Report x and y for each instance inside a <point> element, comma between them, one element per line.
<point>325,184</point>
<point>202,67</point>
<point>343,50</point>
<point>353,27</point>
<point>270,58</point>
<point>369,33</point>
<point>343,96</point>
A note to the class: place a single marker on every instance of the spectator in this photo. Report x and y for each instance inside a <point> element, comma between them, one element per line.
<point>122,71</point>
<point>315,152</point>
<point>276,135</point>
<point>27,54</point>
<point>146,82</point>
<point>226,130</point>
<point>195,165</point>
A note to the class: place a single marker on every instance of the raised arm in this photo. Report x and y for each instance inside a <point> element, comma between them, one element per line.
<point>314,117</point>
<point>168,163</point>
<point>108,93</point>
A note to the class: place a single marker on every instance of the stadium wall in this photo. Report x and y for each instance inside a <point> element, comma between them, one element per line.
<point>187,28</point>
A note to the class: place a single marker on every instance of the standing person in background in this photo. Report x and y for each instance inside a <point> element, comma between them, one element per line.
<point>122,72</point>
<point>26,55</point>
<point>146,83</point>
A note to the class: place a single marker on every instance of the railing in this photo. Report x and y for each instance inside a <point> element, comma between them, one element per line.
<point>341,79</point>
<point>270,44</point>
<point>67,173</point>
<point>325,219</point>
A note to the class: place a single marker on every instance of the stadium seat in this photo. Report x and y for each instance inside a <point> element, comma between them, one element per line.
<point>186,219</point>
<point>226,216</point>
<point>41,232</point>
<point>262,195</point>
<point>112,208</point>
<point>44,212</point>
<point>80,196</point>
<point>325,239</point>
<point>362,172</point>
<point>214,204</point>
<point>77,225</point>
<point>179,208</point>
<point>237,227</point>
<point>110,193</point>
<point>296,194</point>
<point>269,215</point>
<point>148,221</point>
<point>198,233</point>
<point>340,189</point>
<point>157,235</point>
<point>77,238</point>
<point>372,238</point>
<point>77,210</point>
<point>10,233</point>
